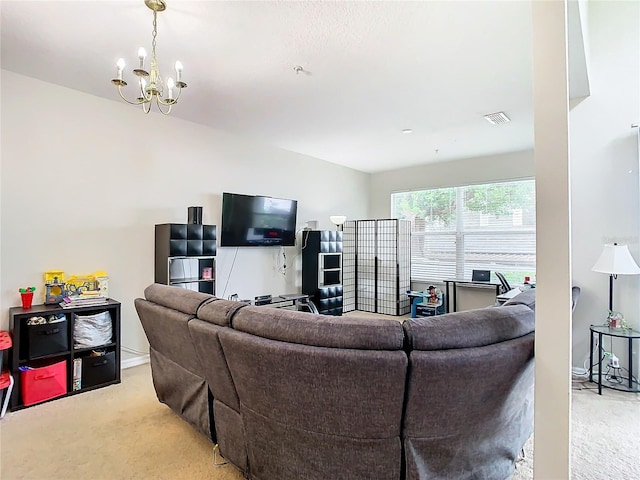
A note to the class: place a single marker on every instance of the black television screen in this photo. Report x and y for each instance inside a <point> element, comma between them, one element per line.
<point>255,221</point>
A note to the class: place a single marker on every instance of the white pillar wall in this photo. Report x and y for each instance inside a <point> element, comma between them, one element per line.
<point>553,242</point>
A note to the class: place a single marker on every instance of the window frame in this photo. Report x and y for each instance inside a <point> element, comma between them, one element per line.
<point>515,269</point>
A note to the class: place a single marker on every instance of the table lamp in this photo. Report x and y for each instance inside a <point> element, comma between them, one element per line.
<point>615,260</point>
<point>338,221</point>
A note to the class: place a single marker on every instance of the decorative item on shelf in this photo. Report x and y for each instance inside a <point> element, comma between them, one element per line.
<point>55,289</point>
<point>615,260</point>
<point>26,294</point>
<point>155,89</point>
<point>77,284</point>
<point>102,280</point>
<point>194,215</point>
<point>616,320</point>
<point>338,221</point>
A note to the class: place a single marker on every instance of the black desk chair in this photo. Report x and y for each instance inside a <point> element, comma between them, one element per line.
<point>503,281</point>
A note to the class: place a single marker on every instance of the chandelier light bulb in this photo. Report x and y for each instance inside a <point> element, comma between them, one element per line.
<point>170,85</point>
<point>179,68</point>
<point>120,64</point>
<point>142,54</point>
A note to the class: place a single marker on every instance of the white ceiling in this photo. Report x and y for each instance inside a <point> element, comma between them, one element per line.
<point>371,69</point>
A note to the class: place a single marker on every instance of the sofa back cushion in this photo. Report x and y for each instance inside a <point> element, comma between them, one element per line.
<point>473,328</point>
<point>219,312</point>
<point>528,298</point>
<point>176,298</point>
<point>320,330</point>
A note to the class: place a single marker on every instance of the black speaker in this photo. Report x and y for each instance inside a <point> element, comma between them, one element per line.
<point>195,215</point>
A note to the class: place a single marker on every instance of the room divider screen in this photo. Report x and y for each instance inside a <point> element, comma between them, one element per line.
<point>377,266</point>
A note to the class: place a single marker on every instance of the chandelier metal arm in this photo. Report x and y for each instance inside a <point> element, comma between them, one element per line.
<point>160,103</point>
<point>137,102</point>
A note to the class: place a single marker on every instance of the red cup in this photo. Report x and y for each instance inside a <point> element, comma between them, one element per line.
<point>27,298</point>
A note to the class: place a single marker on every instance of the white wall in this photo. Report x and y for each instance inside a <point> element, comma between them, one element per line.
<point>508,166</point>
<point>604,167</point>
<point>85,179</point>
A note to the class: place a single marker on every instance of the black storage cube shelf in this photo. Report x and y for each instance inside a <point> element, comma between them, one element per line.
<point>189,240</point>
<point>322,269</point>
<point>98,370</point>
<point>183,252</point>
<point>46,339</point>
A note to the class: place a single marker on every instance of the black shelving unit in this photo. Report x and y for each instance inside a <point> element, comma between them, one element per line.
<point>322,269</point>
<point>41,346</point>
<point>185,256</point>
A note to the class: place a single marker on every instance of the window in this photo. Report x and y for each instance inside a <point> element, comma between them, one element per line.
<point>458,229</point>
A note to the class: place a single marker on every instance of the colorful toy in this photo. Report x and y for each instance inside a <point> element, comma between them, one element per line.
<point>54,285</point>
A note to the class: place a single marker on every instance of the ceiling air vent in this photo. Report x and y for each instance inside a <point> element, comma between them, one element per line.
<point>497,118</point>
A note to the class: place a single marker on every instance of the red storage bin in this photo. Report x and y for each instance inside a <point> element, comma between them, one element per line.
<point>43,383</point>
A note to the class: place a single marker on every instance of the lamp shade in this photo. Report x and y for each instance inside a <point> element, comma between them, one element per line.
<point>616,260</point>
<point>339,220</point>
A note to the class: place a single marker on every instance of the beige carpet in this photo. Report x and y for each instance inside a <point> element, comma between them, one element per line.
<point>605,436</point>
<point>116,432</point>
<point>123,432</point>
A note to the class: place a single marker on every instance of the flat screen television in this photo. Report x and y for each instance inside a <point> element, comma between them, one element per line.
<point>257,221</point>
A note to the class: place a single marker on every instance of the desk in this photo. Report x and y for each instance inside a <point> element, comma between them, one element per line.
<point>452,297</point>
<point>614,378</point>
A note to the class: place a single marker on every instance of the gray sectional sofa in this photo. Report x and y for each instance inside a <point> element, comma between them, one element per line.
<point>295,396</point>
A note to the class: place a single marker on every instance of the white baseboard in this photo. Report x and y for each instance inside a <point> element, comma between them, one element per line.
<point>134,362</point>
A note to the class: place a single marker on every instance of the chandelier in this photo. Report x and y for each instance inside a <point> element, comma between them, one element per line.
<point>151,87</point>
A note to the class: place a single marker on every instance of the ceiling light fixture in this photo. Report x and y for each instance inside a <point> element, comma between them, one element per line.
<point>155,90</point>
<point>497,118</point>
<point>407,130</point>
